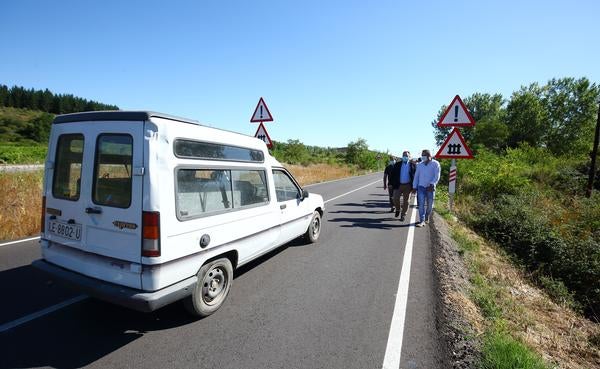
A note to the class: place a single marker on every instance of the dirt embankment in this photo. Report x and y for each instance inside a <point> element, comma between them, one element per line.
<point>457,316</point>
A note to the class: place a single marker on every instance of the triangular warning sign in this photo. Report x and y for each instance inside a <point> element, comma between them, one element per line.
<point>454,147</point>
<point>261,134</point>
<point>261,113</point>
<point>456,115</point>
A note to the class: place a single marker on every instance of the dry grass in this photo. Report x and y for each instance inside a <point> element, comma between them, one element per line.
<point>316,173</point>
<point>20,204</point>
<point>557,333</point>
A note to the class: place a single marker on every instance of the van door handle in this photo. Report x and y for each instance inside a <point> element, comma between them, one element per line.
<point>93,210</point>
<point>282,206</point>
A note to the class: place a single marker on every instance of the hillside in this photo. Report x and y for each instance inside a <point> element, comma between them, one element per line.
<point>25,119</point>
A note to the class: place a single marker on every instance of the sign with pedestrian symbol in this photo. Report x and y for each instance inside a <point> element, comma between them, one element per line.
<point>261,134</point>
<point>456,115</point>
<point>454,147</point>
<point>261,113</point>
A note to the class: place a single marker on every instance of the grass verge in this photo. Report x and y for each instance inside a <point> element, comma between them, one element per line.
<point>523,326</point>
<point>20,204</point>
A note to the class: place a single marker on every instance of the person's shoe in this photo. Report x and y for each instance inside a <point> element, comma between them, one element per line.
<point>391,211</point>
<point>402,217</point>
<point>397,213</point>
<point>420,224</point>
<point>426,220</point>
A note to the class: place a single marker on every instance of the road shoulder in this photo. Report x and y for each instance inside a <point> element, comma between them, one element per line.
<point>458,336</point>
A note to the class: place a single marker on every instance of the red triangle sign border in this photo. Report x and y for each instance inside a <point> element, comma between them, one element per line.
<point>269,116</point>
<point>270,142</point>
<point>440,154</point>
<point>471,122</point>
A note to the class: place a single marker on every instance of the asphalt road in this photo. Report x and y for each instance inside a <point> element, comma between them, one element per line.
<point>326,305</point>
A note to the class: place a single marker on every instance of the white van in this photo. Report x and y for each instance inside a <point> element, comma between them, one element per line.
<point>142,209</point>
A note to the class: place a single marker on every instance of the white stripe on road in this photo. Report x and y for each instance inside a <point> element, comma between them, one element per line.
<point>19,241</point>
<point>41,313</point>
<point>347,193</point>
<point>393,349</point>
<point>339,179</point>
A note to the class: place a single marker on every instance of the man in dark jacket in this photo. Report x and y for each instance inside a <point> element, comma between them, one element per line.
<point>386,180</point>
<point>401,179</point>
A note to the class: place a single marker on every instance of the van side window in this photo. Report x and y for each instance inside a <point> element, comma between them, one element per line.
<point>203,191</point>
<point>112,170</point>
<point>285,188</point>
<point>249,187</point>
<point>66,183</point>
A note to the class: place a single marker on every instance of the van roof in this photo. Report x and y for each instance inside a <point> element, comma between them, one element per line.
<point>117,115</point>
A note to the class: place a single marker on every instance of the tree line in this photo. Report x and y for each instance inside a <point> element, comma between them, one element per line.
<point>46,101</point>
<point>559,116</point>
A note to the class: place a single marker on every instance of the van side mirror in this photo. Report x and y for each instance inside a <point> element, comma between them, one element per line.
<point>304,194</point>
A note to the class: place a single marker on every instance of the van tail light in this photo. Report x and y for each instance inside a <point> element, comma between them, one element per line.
<point>43,216</point>
<point>150,233</point>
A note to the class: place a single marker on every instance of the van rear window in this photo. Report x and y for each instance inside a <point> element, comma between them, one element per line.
<point>112,170</point>
<point>210,151</point>
<point>66,183</point>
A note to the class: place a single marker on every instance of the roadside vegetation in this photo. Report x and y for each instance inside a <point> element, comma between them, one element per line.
<point>524,225</point>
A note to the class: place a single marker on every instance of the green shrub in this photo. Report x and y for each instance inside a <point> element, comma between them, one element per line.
<point>501,351</point>
<point>17,154</point>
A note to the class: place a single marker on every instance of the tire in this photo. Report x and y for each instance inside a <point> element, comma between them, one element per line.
<point>212,288</point>
<point>314,228</point>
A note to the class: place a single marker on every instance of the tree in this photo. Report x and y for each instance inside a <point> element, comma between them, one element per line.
<point>355,150</point>
<point>526,117</point>
<point>571,107</point>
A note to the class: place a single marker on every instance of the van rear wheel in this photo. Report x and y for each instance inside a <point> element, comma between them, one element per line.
<point>314,228</point>
<point>212,288</point>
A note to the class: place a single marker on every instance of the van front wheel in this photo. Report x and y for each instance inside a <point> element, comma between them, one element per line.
<point>214,283</point>
<point>314,228</point>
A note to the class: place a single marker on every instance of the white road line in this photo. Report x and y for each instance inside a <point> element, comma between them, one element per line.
<point>347,193</point>
<point>340,179</point>
<point>19,241</point>
<point>393,350</point>
<point>15,323</point>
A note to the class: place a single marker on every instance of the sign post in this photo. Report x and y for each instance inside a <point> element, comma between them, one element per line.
<point>452,184</point>
<point>454,147</point>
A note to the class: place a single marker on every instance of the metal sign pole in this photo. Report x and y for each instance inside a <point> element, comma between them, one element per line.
<point>452,185</point>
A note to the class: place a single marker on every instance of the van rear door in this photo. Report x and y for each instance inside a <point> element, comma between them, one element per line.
<point>94,198</point>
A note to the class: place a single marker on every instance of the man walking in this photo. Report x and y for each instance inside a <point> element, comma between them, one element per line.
<point>386,180</point>
<point>426,178</point>
<point>402,177</point>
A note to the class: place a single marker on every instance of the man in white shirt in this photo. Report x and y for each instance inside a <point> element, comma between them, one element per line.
<point>426,178</point>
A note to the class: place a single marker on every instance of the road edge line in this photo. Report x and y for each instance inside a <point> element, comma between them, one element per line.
<point>27,318</point>
<point>19,241</point>
<point>348,193</point>
<point>393,350</point>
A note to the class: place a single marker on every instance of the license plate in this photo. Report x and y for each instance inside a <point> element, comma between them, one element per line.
<point>71,231</point>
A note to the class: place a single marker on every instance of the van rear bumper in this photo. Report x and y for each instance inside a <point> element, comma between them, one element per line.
<point>129,297</point>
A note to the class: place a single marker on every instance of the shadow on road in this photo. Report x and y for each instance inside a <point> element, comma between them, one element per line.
<point>27,290</point>
<point>82,334</point>
<point>367,207</point>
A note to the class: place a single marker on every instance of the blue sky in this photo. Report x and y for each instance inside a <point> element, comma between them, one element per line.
<point>329,71</point>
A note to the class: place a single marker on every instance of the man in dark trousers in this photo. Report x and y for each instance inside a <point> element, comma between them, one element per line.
<point>386,180</point>
<point>401,179</point>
